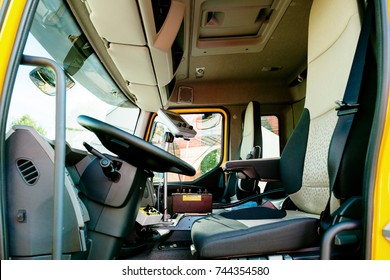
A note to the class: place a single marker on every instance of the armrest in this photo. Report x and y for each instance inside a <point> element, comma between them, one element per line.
<point>260,169</point>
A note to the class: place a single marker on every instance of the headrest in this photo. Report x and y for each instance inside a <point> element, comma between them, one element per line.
<point>333,32</point>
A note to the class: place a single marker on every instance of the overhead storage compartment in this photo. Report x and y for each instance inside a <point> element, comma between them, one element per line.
<point>165,43</point>
<point>145,41</point>
<point>117,21</point>
<point>134,63</point>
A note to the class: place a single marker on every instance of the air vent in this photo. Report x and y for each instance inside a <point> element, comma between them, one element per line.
<point>28,171</point>
<point>185,95</point>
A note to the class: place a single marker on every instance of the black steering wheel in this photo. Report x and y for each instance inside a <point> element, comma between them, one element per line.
<point>135,150</point>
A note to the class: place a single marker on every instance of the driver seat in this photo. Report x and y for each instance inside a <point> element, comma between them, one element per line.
<point>334,28</point>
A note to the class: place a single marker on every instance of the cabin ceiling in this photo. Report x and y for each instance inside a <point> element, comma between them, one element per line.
<point>281,57</point>
<point>231,42</point>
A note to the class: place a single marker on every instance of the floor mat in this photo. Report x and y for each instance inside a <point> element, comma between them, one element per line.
<point>175,245</point>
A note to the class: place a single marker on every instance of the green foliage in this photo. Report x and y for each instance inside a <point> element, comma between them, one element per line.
<point>27,120</point>
<point>210,161</point>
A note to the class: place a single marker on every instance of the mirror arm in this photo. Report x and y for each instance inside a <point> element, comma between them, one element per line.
<point>59,149</point>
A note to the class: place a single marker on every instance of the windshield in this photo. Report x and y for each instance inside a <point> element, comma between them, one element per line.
<point>55,34</point>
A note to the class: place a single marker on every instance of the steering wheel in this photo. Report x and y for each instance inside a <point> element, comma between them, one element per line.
<point>135,150</point>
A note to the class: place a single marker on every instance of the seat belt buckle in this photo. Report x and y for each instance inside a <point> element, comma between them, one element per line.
<point>346,108</point>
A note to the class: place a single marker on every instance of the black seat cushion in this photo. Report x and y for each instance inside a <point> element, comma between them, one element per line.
<point>216,236</point>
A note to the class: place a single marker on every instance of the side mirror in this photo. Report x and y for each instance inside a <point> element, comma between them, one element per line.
<point>44,78</point>
<point>208,121</point>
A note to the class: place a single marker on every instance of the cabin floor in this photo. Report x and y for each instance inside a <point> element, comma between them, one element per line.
<point>174,245</point>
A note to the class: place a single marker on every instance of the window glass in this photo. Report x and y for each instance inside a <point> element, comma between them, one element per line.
<point>270,131</point>
<point>203,151</point>
<point>54,34</point>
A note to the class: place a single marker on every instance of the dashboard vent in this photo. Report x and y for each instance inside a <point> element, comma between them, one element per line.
<point>28,171</point>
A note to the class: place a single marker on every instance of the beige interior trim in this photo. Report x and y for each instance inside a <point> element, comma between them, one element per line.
<point>148,97</point>
<point>329,66</point>
<point>117,21</point>
<point>141,53</point>
<point>134,63</point>
<point>240,23</point>
<point>161,41</point>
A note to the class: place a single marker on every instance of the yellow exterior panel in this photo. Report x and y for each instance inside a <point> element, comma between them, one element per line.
<point>381,246</point>
<point>8,33</point>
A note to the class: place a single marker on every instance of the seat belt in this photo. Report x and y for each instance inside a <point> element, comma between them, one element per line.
<point>346,111</point>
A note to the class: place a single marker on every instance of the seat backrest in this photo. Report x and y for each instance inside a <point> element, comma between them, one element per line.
<point>251,130</point>
<point>334,28</point>
<point>250,147</point>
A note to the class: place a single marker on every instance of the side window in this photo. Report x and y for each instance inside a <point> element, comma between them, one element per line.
<point>87,97</point>
<point>270,131</point>
<point>203,152</point>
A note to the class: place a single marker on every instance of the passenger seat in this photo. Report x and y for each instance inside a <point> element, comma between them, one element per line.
<point>250,147</point>
<point>334,28</point>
